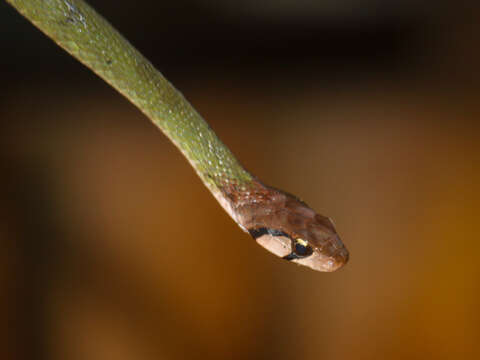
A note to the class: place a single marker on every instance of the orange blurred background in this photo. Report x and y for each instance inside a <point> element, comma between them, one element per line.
<point>112,248</point>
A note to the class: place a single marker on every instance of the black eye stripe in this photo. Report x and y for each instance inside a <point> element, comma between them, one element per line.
<point>291,256</point>
<point>256,233</point>
<point>294,255</point>
<point>299,251</point>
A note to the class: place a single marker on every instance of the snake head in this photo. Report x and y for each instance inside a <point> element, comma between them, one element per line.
<point>290,229</point>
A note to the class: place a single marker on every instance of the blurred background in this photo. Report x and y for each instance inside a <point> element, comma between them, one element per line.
<point>111,248</point>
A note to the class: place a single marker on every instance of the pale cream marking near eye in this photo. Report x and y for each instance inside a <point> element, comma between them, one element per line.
<point>278,245</point>
<point>302,242</point>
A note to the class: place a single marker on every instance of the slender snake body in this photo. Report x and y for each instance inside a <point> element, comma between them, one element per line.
<point>278,221</point>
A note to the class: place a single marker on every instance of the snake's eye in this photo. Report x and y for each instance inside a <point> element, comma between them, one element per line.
<point>302,249</point>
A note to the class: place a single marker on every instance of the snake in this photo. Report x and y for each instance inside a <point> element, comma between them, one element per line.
<point>280,222</point>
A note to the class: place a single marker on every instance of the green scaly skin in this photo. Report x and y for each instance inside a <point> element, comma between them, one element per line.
<point>87,36</point>
<point>278,221</point>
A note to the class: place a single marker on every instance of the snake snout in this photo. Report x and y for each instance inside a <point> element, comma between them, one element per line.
<point>320,262</point>
<point>339,259</point>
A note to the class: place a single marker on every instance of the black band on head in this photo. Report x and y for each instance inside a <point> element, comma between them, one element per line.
<point>291,256</point>
<point>256,233</point>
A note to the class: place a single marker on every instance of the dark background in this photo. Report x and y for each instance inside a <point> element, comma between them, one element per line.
<point>111,248</point>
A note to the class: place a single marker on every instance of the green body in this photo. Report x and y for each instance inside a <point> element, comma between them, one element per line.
<point>77,28</point>
<point>278,221</point>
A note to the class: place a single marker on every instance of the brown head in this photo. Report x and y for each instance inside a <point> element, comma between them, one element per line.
<point>289,228</point>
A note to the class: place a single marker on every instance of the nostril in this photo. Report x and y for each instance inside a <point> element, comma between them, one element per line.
<point>342,256</point>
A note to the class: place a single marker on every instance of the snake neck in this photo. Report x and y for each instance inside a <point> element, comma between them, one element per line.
<point>248,202</point>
